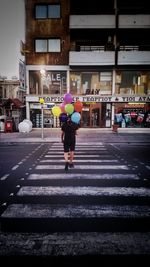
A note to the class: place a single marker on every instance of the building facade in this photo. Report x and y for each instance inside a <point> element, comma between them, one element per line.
<point>99,51</point>
<point>12,102</point>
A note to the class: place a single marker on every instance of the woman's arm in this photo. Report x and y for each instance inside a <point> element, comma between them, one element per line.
<point>62,136</point>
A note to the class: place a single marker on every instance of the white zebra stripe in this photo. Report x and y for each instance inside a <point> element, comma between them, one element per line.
<point>82,160</point>
<point>54,152</point>
<point>74,211</point>
<point>83,148</point>
<point>68,175</point>
<point>81,156</point>
<point>83,144</point>
<point>84,167</point>
<point>83,191</point>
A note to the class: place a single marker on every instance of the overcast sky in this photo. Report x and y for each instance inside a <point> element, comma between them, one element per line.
<point>12,21</point>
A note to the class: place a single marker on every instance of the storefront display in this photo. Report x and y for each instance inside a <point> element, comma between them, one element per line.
<point>91,83</point>
<point>51,82</point>
<point>132,82</point>
<point>132,116</point>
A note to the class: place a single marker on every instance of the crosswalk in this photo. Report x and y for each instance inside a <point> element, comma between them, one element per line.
<point>99,208</point>
<point>102,193</point>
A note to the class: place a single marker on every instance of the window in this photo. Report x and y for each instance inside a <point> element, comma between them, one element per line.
<point>54,45</point>
<point>54,82</point>
<point>133,82</point>
<point>91,83</point>
<point>47,11</point>
<point>53,11</point>
<point>41,12</point>
<point>41,46</point>
<point>47,45</point>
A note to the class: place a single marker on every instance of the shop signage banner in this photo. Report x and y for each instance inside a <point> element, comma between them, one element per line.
<point>92,98</point>
<point>112,99</point>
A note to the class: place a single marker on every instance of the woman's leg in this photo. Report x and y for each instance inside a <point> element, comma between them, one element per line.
<point>71,165</point>
<point>72,149</point>
<point>71,156</point>
<point>66,156</point>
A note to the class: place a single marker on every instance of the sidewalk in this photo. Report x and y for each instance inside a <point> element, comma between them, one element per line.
<point>84,135</point>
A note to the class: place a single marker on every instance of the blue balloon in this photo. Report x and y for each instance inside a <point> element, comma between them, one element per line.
<point>63,117</point>
<point>75,117</point>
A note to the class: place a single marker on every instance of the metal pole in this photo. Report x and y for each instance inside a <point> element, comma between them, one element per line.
<point>42,121</point>
<point>42,71</point>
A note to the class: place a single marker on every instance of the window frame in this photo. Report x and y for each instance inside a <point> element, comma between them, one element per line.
<point>47,13</point>
<point>47,45</point>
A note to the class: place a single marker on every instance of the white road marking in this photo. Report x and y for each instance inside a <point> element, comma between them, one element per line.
<point>83,191</point>
<point>83,144</point>
<point>82,160</point>
<point>85,148</point>
<point>4,177</point>
<point>75,211</point>
<point>148,167</point>
<point>84,167</point>
<point>15,167</point>
<point>81,156</point>
<point>54,152</point>
<point>68,175</point>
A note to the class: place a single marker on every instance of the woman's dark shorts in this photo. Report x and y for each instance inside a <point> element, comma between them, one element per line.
<point>69,147</point>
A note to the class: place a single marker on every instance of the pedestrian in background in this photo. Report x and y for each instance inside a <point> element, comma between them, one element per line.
<point>68,138</point>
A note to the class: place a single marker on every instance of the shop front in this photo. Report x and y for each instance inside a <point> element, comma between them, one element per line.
<point>97,111</point>
<point>84,85</point>
<point>49,121</point>
<point>93,115</point>
<point>119,97</point>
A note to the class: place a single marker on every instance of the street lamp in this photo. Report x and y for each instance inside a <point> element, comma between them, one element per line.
<point>42,72</point>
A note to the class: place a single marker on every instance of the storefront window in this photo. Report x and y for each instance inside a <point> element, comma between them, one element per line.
<point>49,120</point>
<point>86,83</point>
<point>132,115</point>
<point>132,82</point>
<point>96,115</point>
<point>53,82</point>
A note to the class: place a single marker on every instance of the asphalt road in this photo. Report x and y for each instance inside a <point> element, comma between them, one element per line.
<point>105,198</point>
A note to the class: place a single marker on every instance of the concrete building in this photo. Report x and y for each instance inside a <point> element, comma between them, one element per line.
<point>99,51</point>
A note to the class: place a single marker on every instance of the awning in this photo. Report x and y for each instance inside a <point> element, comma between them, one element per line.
<point>15,102</point>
